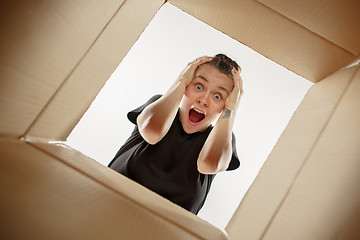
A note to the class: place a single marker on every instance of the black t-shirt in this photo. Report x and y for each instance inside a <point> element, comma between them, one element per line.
<point>169,167</point>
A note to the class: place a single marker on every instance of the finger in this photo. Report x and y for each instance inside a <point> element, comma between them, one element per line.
<point>241,86</point>
<point>201,60</point>
<point>198,61</point>
<point>238,82</point>
<point>236,77</point>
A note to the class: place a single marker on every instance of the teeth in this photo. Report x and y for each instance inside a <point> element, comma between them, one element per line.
<point>198,111</point>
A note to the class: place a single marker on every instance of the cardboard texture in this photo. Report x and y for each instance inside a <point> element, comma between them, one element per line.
<point>89,76</point>
<point>335,22</point>
<point>56,56</point>
<point>281,37</point>
<point>77,198</point>
<point>41,44</point>
<point>324,199</point>
<point>76,45</point>
<point>134,191</point>
<point>289,156</point>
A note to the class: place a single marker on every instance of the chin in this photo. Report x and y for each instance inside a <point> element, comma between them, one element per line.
<point>193,129</point>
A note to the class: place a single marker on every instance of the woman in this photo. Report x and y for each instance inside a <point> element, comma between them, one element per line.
<point>174,150</point>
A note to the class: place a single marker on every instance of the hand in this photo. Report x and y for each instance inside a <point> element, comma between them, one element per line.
<point>188,74</point>
<point>233,99</point>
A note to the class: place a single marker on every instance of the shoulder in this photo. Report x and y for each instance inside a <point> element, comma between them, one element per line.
<point>132,115</point>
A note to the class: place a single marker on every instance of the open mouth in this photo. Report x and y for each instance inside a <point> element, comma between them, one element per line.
<point>195,116</point>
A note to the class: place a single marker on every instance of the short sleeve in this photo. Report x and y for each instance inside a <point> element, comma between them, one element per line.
<point>234,163</point>
<point>132,115</point>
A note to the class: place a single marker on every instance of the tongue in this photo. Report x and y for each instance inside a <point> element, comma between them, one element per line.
<point>195,116</point>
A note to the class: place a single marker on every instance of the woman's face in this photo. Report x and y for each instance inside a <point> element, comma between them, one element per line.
<point>204,98</point>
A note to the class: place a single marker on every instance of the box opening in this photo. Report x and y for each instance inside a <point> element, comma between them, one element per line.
<point>171,40</point>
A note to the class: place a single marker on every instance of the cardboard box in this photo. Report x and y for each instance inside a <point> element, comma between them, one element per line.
<point>56,56</point>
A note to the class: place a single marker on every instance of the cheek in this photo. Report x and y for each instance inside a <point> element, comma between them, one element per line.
<point>190,93</point>
<point>218,107</point>
<point>187,99</point>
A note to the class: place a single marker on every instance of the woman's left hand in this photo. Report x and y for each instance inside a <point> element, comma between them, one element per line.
<point>233,99</point>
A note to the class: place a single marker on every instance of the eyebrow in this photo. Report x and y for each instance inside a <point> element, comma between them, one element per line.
<point>219,86</point>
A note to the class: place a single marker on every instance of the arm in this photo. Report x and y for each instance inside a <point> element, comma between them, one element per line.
<point>216,153</point>
<point>155,120</point>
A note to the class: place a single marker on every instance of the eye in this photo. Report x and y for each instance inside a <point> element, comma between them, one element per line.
<point>217,96</point>
<point>199,87</point>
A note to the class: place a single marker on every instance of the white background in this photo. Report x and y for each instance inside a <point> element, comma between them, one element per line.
<point>172,39</point>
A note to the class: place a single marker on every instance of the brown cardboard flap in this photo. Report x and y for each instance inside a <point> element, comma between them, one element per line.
<point>79,90</point>
<point>77,198</point>
<point>41,43</point>
<point>324,201</point>
<point>264,198</point>
<point>275,36</point>
<point>337,21</point>
<point>134,191</point>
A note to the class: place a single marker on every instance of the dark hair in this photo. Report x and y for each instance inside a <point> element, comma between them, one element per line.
<point>224,64</point>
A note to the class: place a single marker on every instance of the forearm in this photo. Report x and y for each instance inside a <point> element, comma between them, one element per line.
<point>156,119</point>
<point>216,153</point>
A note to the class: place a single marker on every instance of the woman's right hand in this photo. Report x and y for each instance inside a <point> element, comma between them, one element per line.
<point>188,74</point>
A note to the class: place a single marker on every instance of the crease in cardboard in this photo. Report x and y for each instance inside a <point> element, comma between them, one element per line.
<point>25,134</point>
<point>307,29</point>
<point>356,62</point>
<point>42,128</point>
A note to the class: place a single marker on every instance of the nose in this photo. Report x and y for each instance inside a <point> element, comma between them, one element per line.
<point>204,99</point>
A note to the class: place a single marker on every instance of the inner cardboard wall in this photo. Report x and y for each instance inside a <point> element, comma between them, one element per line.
<point>306,142</point>
<point>333,22</point>
<point>41,43</point>
<point>327,185</point>
<point>56,56</point>
<point>60,193</point>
